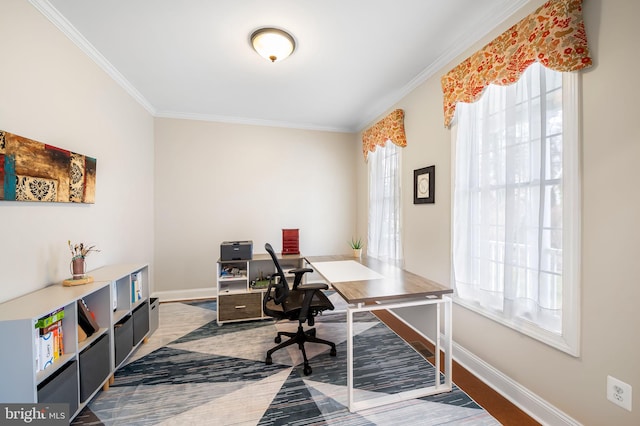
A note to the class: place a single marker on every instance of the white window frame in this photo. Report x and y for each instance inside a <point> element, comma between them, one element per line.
<point>569,340</point>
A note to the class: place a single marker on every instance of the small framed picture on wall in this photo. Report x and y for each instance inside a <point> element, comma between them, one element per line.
<point>424,185</point>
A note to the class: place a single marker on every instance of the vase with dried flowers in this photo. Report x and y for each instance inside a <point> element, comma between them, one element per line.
<point>78,264</point>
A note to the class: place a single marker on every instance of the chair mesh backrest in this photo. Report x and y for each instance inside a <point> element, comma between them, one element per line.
<point>277,291</point>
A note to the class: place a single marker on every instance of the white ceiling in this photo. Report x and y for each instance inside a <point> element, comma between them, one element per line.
<point>354,58</point>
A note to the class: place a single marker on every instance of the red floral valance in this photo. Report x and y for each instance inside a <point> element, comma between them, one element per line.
<point>389,128</point>
<point>553,35</point>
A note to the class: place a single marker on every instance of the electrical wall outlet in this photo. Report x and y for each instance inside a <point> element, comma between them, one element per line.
<point>619,392</point>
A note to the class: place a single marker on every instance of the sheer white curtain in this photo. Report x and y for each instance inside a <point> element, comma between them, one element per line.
<point>384,234</point>
<point>509,221</point>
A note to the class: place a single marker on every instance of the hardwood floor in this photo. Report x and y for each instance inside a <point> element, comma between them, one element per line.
<point>499,407</point>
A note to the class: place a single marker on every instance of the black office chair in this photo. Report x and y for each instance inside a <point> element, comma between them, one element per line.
<point>300,303</point>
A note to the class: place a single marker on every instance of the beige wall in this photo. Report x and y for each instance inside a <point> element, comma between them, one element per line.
<point>220,182</point>
<point>51,92</point>
<point>610,239</point>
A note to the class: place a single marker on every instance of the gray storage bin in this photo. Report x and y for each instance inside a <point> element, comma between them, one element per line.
<point>123,340</point>
<point>94,366</point>
<point>61,387</point>
<point>140,322</point>
<point>154,315</point>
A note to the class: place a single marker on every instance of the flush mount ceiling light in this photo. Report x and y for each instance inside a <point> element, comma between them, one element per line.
<point>273,44</point>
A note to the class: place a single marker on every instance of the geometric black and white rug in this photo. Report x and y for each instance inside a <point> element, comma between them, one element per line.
<point>192,371</point>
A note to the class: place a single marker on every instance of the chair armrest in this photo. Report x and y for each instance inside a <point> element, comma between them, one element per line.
<point>313,286</point>
<point>298,273</point>
<point>300,270</point>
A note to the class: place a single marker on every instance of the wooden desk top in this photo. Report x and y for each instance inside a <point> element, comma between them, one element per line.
<point>395,284</point>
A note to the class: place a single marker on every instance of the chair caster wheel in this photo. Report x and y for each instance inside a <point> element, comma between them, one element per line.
<point>277,339</point>
<point>307,370</point>
<point>268,361</point>
<point>333,352</point>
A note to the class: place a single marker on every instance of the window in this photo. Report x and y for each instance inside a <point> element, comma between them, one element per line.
<point>516,212</point>
<point>384,240</point>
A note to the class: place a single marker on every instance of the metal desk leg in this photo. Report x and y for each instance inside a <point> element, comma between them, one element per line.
<point>349,358</point>
<point>448,341</point>
<point>438,346</point>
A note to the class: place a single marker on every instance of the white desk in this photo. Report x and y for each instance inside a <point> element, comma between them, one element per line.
<point>367,285</point>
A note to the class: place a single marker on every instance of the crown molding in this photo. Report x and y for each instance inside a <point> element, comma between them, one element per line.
<point>52,14</point>
<point>250,121</point>
<point>493,19</point>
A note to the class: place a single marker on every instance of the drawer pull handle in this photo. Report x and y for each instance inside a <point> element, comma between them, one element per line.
<point>241,307</point>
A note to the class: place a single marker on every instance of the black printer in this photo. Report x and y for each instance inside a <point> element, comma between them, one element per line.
<point>236,250</point>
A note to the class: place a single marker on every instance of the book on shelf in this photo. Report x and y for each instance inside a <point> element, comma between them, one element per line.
<point>49,319</point>
<point>37,354</point>
<point>114,289</point>
<point>55,333</point>
<point>136,287</point>
<point>46,350</point>
<point>49,339</point>
<point>86,318</point>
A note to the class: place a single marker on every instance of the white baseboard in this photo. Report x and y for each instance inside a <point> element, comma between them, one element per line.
<point>527,401</point>
<point>178,295</point>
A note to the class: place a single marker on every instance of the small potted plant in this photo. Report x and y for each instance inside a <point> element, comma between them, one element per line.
<point>356,245</point>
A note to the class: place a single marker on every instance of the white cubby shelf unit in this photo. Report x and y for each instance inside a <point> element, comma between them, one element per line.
<point>86,366</point>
